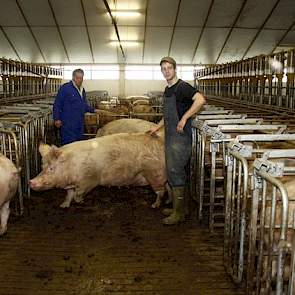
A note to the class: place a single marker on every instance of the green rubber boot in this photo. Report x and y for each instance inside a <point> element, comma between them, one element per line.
<point>178,214</point>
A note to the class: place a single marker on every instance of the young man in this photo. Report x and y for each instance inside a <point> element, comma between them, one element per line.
<point>69,108</point>
<point>181,102</point>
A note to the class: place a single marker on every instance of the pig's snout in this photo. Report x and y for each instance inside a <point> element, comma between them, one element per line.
<point>33,183</point>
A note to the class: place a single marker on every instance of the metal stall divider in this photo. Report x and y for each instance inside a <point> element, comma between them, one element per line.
<point>30,122</point>
<point>9,147</point>
<point>24,125</point>
<point>42,116</point>
<point>267,207</point>
<point>237,196</point>
<point>203,137</point>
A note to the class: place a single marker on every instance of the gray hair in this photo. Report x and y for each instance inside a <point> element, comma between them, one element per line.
<point>78,71</point>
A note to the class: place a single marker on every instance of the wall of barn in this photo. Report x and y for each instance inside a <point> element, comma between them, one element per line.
<point>129,87</point>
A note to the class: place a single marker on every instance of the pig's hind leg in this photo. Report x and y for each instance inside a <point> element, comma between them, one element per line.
<point>4,215</point>
<point>69,197</point>
<point>160,195</point>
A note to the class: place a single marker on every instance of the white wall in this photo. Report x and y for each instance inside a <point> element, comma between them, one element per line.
<point>132,87</point>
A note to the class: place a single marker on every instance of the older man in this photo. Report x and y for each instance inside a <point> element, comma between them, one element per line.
<point>181,102</point>
<point>69,108</point>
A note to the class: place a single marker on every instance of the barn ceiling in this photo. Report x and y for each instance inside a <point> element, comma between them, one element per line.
<point>192,31</point>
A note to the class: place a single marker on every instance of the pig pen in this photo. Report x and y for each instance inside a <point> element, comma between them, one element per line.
<point>113,243</point>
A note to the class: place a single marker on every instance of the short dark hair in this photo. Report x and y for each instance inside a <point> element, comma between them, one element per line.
<point>170,60</point>
<point>78,71</point>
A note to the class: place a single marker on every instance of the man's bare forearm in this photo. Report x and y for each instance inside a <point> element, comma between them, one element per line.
<point>199,101</point>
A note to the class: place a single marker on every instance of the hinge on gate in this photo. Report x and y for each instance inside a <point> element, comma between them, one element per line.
<point>243,150</point>
<point>273,169</point>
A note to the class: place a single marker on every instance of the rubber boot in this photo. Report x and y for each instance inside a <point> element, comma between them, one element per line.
<point>169,211</point>
<point>178,214</point>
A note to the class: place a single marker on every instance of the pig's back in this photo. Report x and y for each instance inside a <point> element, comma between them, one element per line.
<point>126,126</point>
<point>8,179</point>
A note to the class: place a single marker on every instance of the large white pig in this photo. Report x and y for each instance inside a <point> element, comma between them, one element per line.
<point>9,177</point>
<point>126,126</point>
<point>113,160</point>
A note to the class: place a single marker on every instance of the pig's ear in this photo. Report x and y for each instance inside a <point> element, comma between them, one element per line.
<point>55,151</point>
<point>44,149</point>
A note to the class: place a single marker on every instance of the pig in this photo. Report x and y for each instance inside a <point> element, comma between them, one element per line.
<point>106,117</point>
<point>126,126</point>
<point>113,160</point>
<point>9,179</point>
<point>142,109</point>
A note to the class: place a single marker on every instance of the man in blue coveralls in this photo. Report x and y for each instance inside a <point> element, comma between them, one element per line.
<point>69,108</point>
<point>181,102</point>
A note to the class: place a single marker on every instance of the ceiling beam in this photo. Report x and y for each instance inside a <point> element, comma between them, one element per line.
<point>260,29</point>
<point>30,29</point>
<point>87,30</point>
<point>283,37</point>
<point>58,30</point>
<point>144,33</point>
<point>202,31</point>
<point>10,42</point>
<point>115,26</point>
<point>231,29</point>
<point>172,35</point>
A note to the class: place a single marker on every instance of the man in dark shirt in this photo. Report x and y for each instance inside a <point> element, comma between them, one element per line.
<point>181,102</point>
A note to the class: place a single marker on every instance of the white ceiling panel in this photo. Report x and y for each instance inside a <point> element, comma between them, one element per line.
<point>68,12</point>
<point>255,13</point>
<point>283,16</point>
<point>10,14</point>
<point>289,39</point>
<point>236,45</point>
<point>193,13</point>
<point>133,54</point>
<point>265,42</point>
<point>129,33</point>
<point>184,43</point>
<point>24,44</point>
<point>131,5</point>
<point>50,44</point>
<point>131,21</point>
<point>5,48</point>
<point>103,52</point>
<point>96,13</point>
<point>128,4</point>
<point>77,44</point>
<point>210,45</point>
<point>156,43</point>
<point>224,12</point>
<point>161,13</point>
<point>37,12</point>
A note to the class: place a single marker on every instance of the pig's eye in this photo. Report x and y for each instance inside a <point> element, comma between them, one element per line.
<point>50,169</point>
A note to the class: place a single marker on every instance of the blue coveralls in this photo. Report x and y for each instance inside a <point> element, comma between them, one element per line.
<point>70,107</point>
<point>177,145</point>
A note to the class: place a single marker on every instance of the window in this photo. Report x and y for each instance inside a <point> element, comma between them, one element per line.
<point>138,72</point>
<point>107,72</point>
<point>91,72</point>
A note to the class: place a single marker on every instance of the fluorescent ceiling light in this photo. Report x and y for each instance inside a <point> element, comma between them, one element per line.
<point>126,13</point>
<point>125,43</point>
